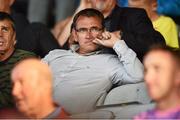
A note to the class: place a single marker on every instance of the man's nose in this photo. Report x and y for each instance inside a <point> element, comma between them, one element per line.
<point>89,34</point>
<point>16,89</point>
<point>149,77</point>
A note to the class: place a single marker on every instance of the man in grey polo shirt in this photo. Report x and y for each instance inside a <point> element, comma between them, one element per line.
<point>86,72</point>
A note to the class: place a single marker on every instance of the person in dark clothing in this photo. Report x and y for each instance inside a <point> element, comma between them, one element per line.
<point>133,23</point>
<point>136,27</point>
<point>38,39</point>
<point>33,37</point>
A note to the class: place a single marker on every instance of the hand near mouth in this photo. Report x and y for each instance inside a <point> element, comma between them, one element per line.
<point>108,39</point>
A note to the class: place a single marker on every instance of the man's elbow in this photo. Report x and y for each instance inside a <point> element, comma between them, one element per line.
<point>135,79</point>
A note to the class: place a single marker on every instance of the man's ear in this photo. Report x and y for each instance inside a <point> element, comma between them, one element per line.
<point>154,6</point>
<point>74,35</point>
<point>177,78</point>
<point>14,38</point>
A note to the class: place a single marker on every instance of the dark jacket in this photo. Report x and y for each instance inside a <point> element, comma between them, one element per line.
<point>137,29</point>
<point>33,37</point>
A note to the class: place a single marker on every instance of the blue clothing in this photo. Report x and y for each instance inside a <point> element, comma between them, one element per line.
<point>122,3</point>
<point>169,7</point>
<point>166,7</point>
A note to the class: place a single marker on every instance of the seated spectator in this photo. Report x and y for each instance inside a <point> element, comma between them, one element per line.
<point>86,72</point>
<point>33,37</point>
<point>165,25</point>
<point>32,90</point>
<point>162,77</point>
<point>135,26</point>
<point>20,21</point>
<point>9,56</point>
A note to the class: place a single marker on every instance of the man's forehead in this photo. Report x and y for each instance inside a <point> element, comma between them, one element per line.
<point>16,74</point>
<point>83,17</point>
<point>88,20</point>
<point>159,57</point>
<point>23,75</point>
<point>6,23</point>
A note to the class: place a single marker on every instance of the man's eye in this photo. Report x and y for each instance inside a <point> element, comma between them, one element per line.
<point>157,68</point>
<point>95,29</point>
<point>5,29</point>
<point>145,70</point>
<point>82,30</point>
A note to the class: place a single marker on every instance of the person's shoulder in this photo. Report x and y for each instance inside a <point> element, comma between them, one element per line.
<point>166,19</point>
<point>56,53</point>
<point>19,54</point>
<point>132,10</point>
<point>24,53</point>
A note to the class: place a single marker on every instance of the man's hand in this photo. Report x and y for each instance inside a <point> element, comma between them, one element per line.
<point>108,39</point>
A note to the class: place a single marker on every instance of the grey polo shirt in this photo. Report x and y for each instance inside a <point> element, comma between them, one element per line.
<point>79,81</point>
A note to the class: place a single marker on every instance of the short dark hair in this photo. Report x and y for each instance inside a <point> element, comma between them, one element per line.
<point>174,52</point>
<point>6,16</point>
<point>89,12</point>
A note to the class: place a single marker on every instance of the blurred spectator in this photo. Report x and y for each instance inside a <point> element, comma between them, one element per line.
<point>162,77</point>
<point>32,90</point>
<point>133,23</point>
<point>38,10</point>
<point>165,25</point>
<point>9,56</point>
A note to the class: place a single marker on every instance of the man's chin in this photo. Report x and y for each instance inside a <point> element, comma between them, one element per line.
<point>21,107</point>
<point>100,7</point>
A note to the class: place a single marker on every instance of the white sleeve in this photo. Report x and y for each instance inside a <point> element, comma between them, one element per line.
<point>132,71</point>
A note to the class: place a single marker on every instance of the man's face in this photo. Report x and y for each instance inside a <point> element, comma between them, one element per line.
<point>87,29</point>
<point>7,36</point>
<point>102,5</point>
<point>159,74</point>
<point>26,91</point>
<point>136,3</point>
